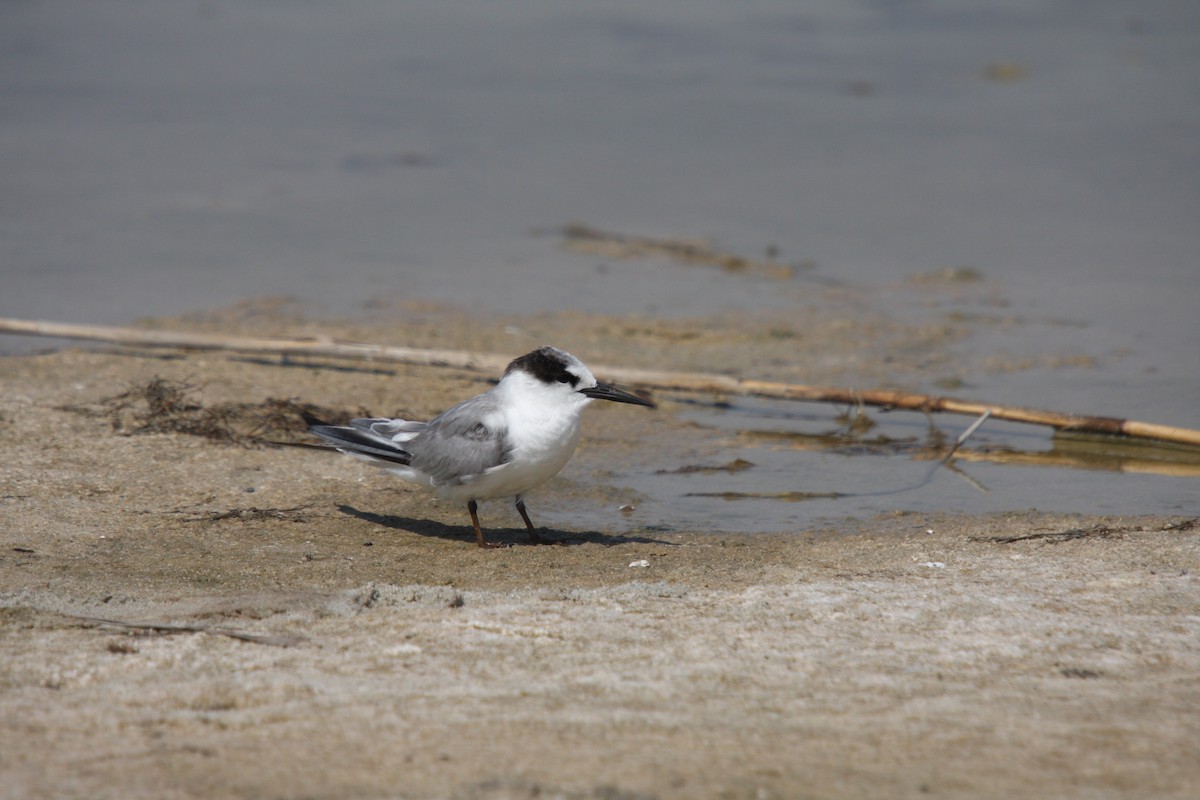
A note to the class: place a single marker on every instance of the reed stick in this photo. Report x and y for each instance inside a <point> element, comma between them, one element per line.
<point>651,379</point>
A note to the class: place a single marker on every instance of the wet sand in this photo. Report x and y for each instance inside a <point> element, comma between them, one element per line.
<point>338,635</point>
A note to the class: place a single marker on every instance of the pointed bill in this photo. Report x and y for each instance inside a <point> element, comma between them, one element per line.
<point>603,391</point>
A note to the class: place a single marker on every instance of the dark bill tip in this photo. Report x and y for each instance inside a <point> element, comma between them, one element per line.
<point>602,391</point>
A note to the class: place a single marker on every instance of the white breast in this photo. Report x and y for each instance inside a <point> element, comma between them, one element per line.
<point>542,432</point>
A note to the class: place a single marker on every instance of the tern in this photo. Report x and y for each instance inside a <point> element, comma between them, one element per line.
<point>503,443</point>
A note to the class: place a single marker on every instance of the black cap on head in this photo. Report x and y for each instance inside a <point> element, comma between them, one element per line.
<point>547,364</point>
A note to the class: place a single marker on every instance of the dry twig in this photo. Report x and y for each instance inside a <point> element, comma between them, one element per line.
<point>215,630</point>
<point>1094,532</point>
<point>675,381</point>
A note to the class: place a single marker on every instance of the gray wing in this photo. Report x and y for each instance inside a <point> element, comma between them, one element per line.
<point>397,431</point>
<point>464,441</point>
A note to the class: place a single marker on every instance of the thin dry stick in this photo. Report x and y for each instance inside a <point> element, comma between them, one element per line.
<point>322,346</point>
<point>215,630</point>
<point>962,437</point>
<point>678,381</point>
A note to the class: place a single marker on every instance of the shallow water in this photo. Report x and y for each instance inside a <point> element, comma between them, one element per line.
<point>160,158</point>
<point>785,469</point>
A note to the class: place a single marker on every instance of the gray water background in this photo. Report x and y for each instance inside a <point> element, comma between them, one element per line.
<point>161,157</point>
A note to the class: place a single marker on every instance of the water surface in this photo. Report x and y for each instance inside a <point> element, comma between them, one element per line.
<point>159,158</point>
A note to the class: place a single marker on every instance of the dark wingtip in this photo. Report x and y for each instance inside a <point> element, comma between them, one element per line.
<point>312,421</point>
<point>353,441</point>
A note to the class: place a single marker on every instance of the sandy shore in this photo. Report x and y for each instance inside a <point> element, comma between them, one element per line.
<point>337,636</point>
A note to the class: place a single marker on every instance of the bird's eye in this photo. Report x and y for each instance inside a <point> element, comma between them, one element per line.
<point>566,377</point>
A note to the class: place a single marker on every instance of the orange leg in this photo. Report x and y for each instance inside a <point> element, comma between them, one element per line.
<point>473,507</point>
<point>533,534</point>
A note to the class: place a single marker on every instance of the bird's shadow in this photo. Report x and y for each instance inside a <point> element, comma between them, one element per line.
<point>505,536</point>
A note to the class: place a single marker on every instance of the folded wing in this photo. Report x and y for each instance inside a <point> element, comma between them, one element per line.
<point>376,439</point>
<point>462,443</point>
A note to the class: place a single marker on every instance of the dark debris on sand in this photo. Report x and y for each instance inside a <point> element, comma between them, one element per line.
<point>167,406</point>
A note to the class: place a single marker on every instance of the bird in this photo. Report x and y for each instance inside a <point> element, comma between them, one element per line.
<point>503,443</point>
